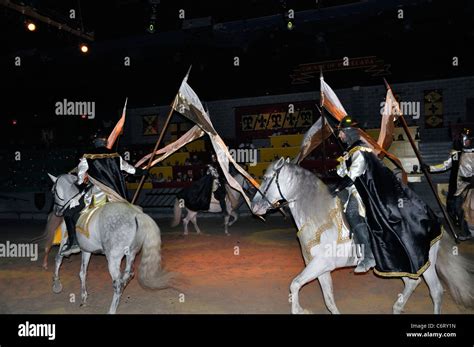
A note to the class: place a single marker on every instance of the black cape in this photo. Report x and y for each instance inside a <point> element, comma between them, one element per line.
<point>402,226</point>
<point>104,166</point>
<point>197,197</point>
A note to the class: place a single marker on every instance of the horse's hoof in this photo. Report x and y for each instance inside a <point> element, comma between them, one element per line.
<point>57,287</point>
<point>302,311</point>
<point>397,311</point>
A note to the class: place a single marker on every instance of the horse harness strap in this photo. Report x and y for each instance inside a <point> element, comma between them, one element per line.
<point>63,206</point>
<point>277,204</point>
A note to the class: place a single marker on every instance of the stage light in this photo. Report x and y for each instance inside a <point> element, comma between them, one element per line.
<point>153,15</point>
<point>14,122</point>
<point>31,26</point>
<point>151,28</point>
<point>289,17</point>
<point>84,48</point>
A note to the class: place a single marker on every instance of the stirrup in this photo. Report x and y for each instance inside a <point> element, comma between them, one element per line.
<point>363,268</point>
<point>66,252</point>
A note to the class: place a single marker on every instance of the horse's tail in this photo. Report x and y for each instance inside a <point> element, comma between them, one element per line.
<point>457,271</point>
<point>151,274</point>
<point>176,213</point>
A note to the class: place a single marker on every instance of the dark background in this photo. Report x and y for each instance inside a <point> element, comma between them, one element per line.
<point>418,47</point>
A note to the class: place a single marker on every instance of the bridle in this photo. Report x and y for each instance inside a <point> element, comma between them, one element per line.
<point>65,204</point>
<point>279,203</point>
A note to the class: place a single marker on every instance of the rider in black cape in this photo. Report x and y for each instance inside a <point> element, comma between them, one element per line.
<point>105,166</point>
<point>197,197</point>
<point>402,227</point>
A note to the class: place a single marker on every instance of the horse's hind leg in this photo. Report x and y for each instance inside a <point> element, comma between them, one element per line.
<point>194,221</point>
<point>314,269</point>
<point>226,225</point>
<point>186,222</point>
<point>231,212</point>
<point>86,256</point>
<point>432,279</point>
<point>234,215</point>
<point>436,289</point>
<point>128,273</point>
<point>325,280</point>
<point>114,269</point>
<point>410,286</point>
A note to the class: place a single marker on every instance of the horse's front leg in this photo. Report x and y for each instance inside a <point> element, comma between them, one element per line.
<point>118,285</point>
<point>325,280</point>
<point>57,286</point>
<point>315,268</point>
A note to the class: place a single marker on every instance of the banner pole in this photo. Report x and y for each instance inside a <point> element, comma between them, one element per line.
<point>168,118</point>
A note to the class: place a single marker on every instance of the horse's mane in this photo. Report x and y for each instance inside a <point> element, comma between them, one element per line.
<point>304,175</point>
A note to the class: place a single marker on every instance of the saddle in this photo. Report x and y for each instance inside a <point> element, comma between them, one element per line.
<point>82,225</point>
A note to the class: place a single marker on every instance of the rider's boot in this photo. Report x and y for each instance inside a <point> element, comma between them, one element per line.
<point>361,233</point>
<point>71,247</point>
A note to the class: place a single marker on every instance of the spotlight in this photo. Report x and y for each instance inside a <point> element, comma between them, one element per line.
<point>289,19</point>
<point>84,48</point>
<point>153,15</point>
<point>31,26</point>
<point>151,27</point>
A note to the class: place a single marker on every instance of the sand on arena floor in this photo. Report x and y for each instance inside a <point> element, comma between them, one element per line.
<point>247,272</point>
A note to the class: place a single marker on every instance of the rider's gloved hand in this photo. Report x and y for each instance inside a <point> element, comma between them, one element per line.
<point>425,167</point>
<point>83,186</point>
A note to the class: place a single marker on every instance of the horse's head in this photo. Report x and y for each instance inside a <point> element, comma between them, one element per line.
<point>271,188</point>
<point>63,191</point>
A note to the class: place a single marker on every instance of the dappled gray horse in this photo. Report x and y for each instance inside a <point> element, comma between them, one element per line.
<point>326,244</point>
<point>118,230</point>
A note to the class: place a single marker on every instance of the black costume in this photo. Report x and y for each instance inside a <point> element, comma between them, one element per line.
<point>197,197</point>
<point>402,227</point>
<point>105,166</point>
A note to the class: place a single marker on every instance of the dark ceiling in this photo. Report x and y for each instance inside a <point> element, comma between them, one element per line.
<point>419,46</point>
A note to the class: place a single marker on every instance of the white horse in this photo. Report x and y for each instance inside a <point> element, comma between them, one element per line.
<point>311,204</point>
<point>118,230</point>
<point>233,200</point>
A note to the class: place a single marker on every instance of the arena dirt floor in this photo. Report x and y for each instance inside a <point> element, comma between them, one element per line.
<point>216,280</point>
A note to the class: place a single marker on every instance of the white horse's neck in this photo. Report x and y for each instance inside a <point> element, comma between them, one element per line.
<point>302,189</point>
